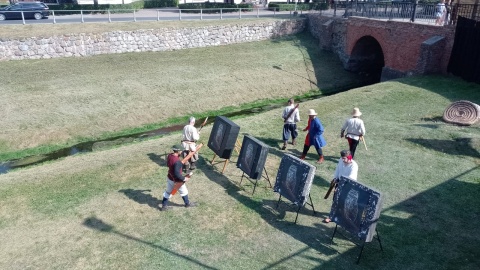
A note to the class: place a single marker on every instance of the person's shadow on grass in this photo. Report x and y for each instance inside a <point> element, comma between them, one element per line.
<point>141,197</point>
<point>158,159</point>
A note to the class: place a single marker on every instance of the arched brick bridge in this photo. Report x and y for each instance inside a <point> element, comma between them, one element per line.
<point>391,49</point>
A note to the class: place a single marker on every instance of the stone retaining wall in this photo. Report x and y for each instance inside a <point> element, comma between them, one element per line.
<point>162,39</point>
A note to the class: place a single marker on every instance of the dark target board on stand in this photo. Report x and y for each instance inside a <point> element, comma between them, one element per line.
<point>223,138</point>
<point>252,158</point>
<point>294,180</point>
<point>356,208</point>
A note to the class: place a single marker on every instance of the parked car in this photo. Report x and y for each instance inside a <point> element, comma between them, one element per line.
<point>35,10</point>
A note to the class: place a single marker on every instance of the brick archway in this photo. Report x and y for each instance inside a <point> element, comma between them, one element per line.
<point>408,48</point>
<point>367,57</point>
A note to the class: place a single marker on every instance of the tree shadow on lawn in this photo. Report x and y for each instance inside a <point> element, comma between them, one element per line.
<point>442,85</point>
<point>441,230</point>
<point>459,146</point>
<point>313,237</point>
<point>97,224</point>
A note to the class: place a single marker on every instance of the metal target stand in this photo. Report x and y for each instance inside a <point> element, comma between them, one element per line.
<point>377,236</point>
<point>300,207</point>
<point>256,180</point>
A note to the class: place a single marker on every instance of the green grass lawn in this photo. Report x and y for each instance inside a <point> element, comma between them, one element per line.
<point>98,210</point>
<point>54,103</point>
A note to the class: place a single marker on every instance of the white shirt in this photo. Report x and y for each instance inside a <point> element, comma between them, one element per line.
<point>346,169</point>
<point>189,136</point>
<point>294,117</point>
<point>354,128</point>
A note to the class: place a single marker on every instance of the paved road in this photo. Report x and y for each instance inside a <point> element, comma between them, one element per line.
<point>149,15</point>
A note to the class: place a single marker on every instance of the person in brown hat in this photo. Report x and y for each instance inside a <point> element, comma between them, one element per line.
<point>175,178</point>
<point>353,130</point>
<point>315,136</point>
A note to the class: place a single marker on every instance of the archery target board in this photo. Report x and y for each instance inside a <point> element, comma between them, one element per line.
<point>223,137</point>
<point>294,179</point>
<point>356,208</point>
<point>253,156</point>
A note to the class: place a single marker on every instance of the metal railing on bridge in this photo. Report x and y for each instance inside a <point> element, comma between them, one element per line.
<point>414,12</point>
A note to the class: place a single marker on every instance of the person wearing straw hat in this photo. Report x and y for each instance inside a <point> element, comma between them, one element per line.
<point>353,130</point>
<point>314,136</point>
<point>175,176</point>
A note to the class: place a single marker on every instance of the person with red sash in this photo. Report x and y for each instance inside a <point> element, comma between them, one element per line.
<point>175,178</point>
<point>314,136</point>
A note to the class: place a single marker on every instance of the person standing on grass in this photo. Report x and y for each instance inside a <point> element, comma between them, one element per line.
<point>353,130</point>
<point>175,179</point>
<point>306,145</point>
<point>291,116</point>
<point>314,135</point>
<point>190,136</point>
<point>346,167</point>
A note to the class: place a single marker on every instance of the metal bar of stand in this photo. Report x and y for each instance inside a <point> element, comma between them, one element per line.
<point>311,203</point>
<point>334,231</point>
<point>243,173</point>
<point>268,178</point>
<point>379,241</point>
<point>254,186</point>
<point>361,250</point>
<point>298,210</point>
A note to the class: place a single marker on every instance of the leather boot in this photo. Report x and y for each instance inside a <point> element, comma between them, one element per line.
<point>303,157</point>
<point>284,146</point>
<point>321,159</point>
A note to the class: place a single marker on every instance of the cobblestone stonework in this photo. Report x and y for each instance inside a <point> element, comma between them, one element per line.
<point>331,33</point>
<point>162,39</point>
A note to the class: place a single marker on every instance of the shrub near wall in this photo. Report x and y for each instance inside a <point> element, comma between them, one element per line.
<point>160,3</point>
<point>73,8</point>
<point>213,7</point>
<point>281,6</point>
<point>65,7</point>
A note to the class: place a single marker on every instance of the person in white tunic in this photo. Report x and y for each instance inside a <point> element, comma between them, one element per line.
<point>346,167</point>
<point>353,130</point>
<point>190,136</point>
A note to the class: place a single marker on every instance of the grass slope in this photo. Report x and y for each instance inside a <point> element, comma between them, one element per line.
<point>98,210</point>
<point>47,104</point>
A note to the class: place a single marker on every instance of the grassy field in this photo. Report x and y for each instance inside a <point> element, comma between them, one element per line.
<point>99,210</point>
<point>49,104</point>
